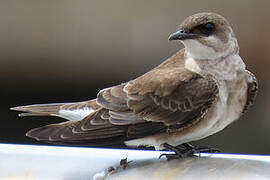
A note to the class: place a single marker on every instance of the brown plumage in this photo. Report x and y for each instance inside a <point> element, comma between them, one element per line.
<point>170,100</point>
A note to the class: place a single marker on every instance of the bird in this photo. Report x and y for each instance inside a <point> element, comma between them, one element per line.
<point>193,94</point>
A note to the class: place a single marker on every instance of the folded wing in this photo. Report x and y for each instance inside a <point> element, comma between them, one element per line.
<point>165,99</point>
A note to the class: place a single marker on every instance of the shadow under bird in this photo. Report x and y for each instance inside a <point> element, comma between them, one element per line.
<point>193,94</point>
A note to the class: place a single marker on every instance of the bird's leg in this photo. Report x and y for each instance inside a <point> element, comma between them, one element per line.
<point>188,145</point>
<point>179,151</point>
<point>185,150</point>
<point>199,149</point>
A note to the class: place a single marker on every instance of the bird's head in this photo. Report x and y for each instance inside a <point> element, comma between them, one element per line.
<point>206,36</point>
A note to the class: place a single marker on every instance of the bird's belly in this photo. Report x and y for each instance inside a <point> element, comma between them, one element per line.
<point>230,109</point>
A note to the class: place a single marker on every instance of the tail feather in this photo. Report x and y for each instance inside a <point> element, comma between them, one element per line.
<point>31,114</point>
<point>70,111</point>
<point>39,109</point>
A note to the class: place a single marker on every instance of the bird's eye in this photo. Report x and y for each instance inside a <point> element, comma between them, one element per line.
<point>207,28</point>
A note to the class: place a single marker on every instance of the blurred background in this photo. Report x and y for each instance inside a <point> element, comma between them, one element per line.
<point>66,51</point>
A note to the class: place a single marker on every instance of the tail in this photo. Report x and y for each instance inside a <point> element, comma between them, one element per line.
<point>70,111</point>
<point>39,109</point>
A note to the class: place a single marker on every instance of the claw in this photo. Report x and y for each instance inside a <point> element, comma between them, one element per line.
<point>185,150</point>
<point>164,154</point>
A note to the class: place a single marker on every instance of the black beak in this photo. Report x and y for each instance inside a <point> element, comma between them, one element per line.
<point>182,35</point>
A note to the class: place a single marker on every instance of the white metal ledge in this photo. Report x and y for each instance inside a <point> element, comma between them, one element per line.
<point>73,163</point>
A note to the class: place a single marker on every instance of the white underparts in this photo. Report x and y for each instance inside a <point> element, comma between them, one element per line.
<point>76,114</point>
<point>221,69</point>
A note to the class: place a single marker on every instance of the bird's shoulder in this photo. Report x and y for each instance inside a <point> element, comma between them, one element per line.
<point>163,79</point>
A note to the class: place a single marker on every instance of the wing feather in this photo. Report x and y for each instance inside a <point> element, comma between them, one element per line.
<point>166,98</point>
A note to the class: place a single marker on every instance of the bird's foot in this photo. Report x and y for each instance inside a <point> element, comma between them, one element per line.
<point>185,150</point>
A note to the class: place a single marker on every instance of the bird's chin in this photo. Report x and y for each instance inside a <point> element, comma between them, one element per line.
<point>196,50</point>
